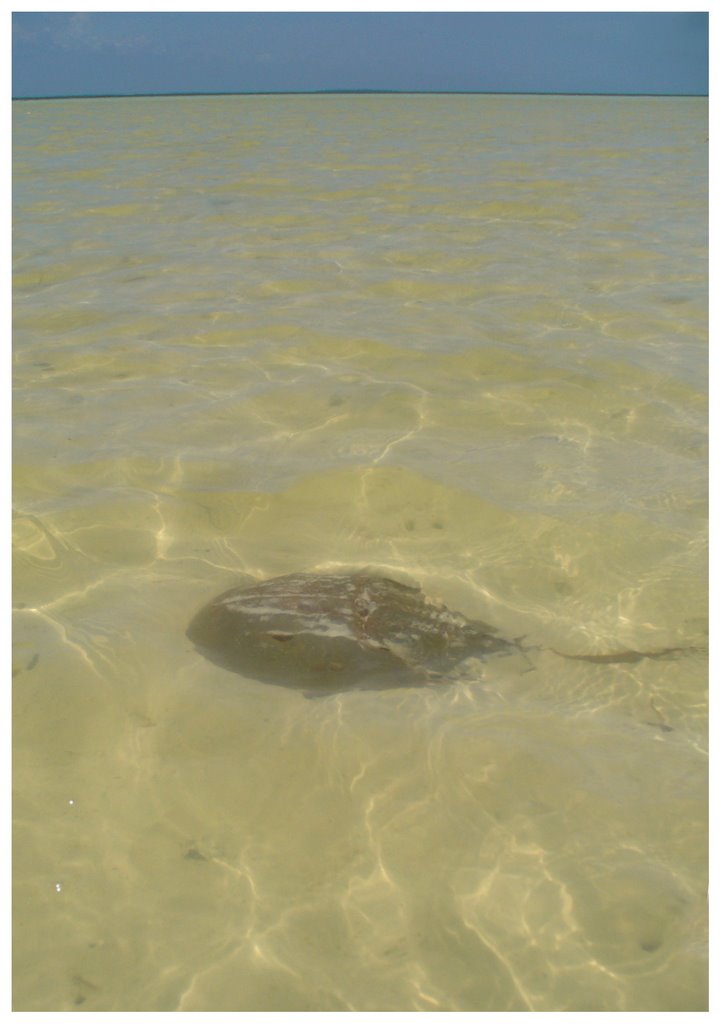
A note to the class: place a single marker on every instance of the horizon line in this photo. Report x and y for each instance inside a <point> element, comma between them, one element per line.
<point>326,92</point>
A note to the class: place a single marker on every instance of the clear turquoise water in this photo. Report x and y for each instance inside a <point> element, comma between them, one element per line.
<point>458,339</point>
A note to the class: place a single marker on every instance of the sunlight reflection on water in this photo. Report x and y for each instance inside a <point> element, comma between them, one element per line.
<point>461,340</point>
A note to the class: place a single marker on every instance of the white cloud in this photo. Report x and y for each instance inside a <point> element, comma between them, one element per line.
<point>84,31</point>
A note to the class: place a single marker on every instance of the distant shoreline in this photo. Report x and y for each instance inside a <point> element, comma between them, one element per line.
<point>358,92</point>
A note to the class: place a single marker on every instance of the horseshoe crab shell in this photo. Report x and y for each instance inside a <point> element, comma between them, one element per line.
<point>330,633</point>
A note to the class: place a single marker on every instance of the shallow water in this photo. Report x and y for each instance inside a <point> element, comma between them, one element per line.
<point>460,340</point>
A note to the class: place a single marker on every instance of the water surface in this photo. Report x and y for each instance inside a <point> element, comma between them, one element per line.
<point>457,339</point>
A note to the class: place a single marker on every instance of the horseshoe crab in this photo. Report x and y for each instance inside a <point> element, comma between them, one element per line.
<point>330,633</point>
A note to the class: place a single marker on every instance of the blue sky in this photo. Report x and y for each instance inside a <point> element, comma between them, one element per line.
<point>58,54</point>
